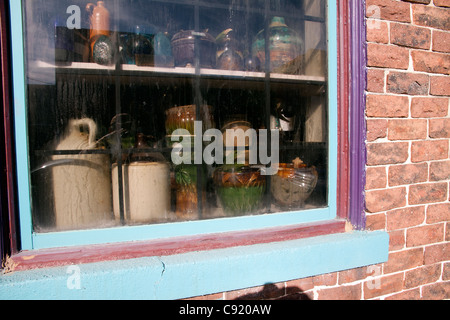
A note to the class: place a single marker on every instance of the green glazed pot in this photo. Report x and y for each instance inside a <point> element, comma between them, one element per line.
<point>286,48</point>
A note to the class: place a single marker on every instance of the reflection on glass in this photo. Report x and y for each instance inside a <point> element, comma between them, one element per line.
<point>119,91</point>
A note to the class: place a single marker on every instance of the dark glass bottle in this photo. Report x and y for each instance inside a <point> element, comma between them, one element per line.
<point>228,57</point>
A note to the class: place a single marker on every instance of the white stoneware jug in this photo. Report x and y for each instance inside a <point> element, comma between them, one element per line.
<point>146,192</point>
<point>81,182</point>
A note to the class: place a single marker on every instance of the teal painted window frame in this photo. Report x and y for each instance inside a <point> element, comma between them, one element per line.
<point>31,240</point>
<point>199,273</point>
<point>191,273</point>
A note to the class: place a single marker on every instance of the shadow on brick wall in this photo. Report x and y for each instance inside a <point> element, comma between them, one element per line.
<point>272,292</point>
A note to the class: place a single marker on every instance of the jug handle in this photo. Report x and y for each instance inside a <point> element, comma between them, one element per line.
<point>90,7</point>
<point>75,125</point>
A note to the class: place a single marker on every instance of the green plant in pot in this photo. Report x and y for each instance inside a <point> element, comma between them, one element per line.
<point>240,188</point>
<point>186,191</point>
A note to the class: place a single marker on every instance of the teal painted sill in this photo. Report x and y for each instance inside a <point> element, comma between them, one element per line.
<point>199,273</point>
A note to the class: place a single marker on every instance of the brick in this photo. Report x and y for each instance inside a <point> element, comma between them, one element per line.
<point>376,221</point>
<point>387,56</point>
<point>377,31</point>
<point>297,285</point>
<point>298,296</point>
<point>407,174</point>
<point>439,212</point>
<point>387,106</point>
<point>397,240</point>
<point>418,1</point>
<point>405,218</point>
<point>432,62</point>
<point>407,83</point>
<point>440,170</point>
<point>413,294</point>
<point>431,17</point>
<point>382,286</point>
<point>437,253</point>
<point>436,291</point>
<point>376,178</point>
<point>388,10</point>
<point>387,199</point>
<point>440,128</point>
<point>407,129</point>
<point>424,235</point>
<point>345,292</point>
<point>446,271</point>
<point>441,41</point>
<point>387,153</point>
<point>267,291</point>
<point>410,36</point>
<point>429,150</point>
<point>311,282</point>
<point>376,128</point>
<point>353,275</point>
<point>329,279</point>
<point>429,107</point>
<point>422,275</point>
<point>402,260</point>
<point>296,290</point>
<point>375,80</point>
<point>209,297</point>
<point>442,3</point>
<point>440,86</point>
<point>427,193</point>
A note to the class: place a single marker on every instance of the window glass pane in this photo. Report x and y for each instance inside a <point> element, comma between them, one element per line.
<point>144,112</point>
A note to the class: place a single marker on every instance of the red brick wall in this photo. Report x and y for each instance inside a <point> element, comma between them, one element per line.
<point>408,163</point>
<point>408,134</point>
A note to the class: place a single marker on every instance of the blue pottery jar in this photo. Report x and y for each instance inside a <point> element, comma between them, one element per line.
<point>163,50</point>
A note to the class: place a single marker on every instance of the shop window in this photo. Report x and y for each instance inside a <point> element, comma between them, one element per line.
<point>154,119</point>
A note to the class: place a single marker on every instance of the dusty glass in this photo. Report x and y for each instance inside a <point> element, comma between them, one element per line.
<point>145,112</point>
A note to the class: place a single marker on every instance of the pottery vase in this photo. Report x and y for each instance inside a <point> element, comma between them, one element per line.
<point>81,183</point>
<point>146,186</point>
<point>228,56</point>
<point>184,49</point>
<point>285,46</point>
<point>99,22</point>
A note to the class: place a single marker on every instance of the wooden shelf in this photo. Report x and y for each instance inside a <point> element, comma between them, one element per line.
<point>306,85</point>
<point>128,69</point>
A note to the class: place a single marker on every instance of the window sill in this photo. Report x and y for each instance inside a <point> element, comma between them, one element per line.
<point>194,273</point>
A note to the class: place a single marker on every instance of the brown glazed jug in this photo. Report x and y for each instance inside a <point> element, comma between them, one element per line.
<point>99,22</point>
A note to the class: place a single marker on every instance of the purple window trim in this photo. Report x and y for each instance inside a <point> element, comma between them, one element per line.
<point>3,78</point>
<point>357,124</point>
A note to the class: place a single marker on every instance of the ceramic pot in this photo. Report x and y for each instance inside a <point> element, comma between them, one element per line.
<point>285,45</point>
<point>237,141</point>
<point>183,117</point>
<point>146,186</point>
<point>239,127</point>
<point>228,56</point>
<point>183,48</point>
<point>81,183</point>
<point>239,189</point>
<point>99,22</point>
<point>103,51</point>
<point>187,191</point>
<point>146,192</point>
